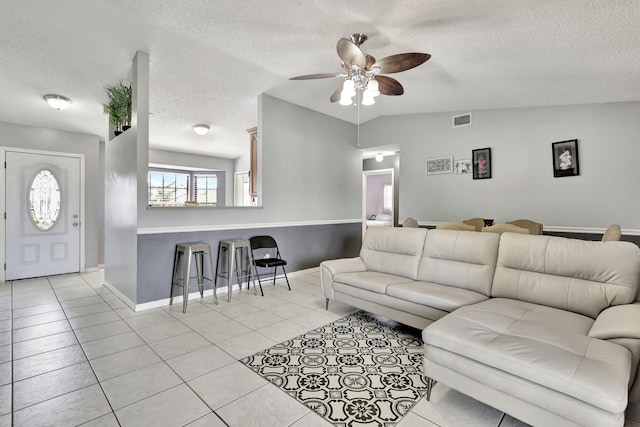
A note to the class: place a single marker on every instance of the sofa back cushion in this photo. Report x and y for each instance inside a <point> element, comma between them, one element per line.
<point>464,259</point>
<point>393,250</point>
<point>576,275</point>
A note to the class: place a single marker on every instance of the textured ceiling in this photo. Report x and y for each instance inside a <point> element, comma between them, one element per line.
<point>211,59</point>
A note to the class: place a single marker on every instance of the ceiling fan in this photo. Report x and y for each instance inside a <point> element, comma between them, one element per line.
<point>363,73</point>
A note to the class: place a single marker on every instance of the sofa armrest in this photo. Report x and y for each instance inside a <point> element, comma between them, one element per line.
<point>620,321</point>
<point>335,266</point>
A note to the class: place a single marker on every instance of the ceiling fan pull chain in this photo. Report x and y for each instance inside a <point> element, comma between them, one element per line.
<point>358,121</point>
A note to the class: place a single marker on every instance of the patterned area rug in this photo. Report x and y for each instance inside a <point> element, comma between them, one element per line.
<point>354,372</point>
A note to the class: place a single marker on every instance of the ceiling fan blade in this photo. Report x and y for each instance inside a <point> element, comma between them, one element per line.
<point>401,62</point>
<point>350,53</point>
<point>335,96</point>
<point>315,76</point>
<point>370,61</point>
<point>389,86</point>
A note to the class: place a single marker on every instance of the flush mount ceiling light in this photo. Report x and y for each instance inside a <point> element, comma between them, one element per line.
<point>379,157</point>
<point>58,102</point>
<point>201,129</point>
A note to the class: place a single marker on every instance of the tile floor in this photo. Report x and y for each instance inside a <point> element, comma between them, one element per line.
<point>72,353</point>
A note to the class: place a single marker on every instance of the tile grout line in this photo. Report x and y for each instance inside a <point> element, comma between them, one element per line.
<point>145,343</point>
<point>85,355</point>
<point>186,382</point>
<point>162,360</point>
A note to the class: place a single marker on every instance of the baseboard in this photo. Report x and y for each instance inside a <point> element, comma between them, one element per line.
<point>303,272</point>
<point>224,290</point>
<point>120,295</point>
<point>221,291</point>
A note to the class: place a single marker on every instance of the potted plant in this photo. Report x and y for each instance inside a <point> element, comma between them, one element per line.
<point>119,105</point>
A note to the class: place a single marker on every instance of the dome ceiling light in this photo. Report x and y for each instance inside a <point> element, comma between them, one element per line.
<point>201,129</point>
<point>58,102</point>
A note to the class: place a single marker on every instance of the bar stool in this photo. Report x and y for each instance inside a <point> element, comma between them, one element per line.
<point>184,252</point>
<point>235,250</point>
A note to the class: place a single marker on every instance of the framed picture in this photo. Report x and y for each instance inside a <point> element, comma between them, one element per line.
<point>462,166</point>
<point>481,159</point>
<point>565,158</point>
<point>439,165</point>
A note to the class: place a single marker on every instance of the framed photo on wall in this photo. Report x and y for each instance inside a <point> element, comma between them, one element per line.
<point>462,166</point>
<point>565,158</point>
<point>481,159</point>
<point>439,165</point>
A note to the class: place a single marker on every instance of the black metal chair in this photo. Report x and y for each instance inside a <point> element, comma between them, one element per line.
<point>267,255</point>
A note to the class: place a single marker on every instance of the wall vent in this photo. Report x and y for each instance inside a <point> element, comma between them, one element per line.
<point>462,120</point>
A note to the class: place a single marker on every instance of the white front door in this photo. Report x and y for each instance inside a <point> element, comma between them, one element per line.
<point>42,235</point>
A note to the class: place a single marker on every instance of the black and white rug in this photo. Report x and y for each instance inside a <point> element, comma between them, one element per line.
<point>354,372</point>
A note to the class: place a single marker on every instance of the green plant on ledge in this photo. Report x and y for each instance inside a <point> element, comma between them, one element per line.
<point>119,105</point>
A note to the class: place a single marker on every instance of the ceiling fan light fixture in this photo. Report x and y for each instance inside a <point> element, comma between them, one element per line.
<point>345,99</point>
<point>372,87</point>
<point>201,129</point>
<point>364,71</point>
<point>367,98</point>
<point>348,88</point>
<point>58,102</point>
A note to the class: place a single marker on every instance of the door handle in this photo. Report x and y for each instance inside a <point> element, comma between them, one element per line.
<point>75,224</point>
<point>75,215</point>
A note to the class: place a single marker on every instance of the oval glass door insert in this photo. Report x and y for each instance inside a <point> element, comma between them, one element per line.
<point>44,200</point>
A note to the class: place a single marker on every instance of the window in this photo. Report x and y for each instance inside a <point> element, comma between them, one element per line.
<point>44,200</point>
<point>387,198</point>
<point>168,188</point>
<point>206,189</point>
<point>181,187</point>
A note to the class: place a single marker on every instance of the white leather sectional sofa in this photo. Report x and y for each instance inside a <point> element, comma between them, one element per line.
<point>543,328</point>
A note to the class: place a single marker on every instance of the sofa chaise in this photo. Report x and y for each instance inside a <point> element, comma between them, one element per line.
<point>546,329</point>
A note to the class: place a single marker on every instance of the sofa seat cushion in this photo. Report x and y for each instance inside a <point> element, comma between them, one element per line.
<point>540,344</point>
<point>447,298</point>
<point>369,280</point>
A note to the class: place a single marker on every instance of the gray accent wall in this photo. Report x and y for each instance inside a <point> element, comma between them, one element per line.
<point>302,247</point>
<point>522,185</point>
<point>36,138</point>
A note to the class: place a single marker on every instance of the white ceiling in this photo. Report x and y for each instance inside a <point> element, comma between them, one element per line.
<point>211,59</point>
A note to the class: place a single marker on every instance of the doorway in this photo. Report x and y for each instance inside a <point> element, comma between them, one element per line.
<point>378,203</point>
<point>43,206</point>
<point>242,196</point>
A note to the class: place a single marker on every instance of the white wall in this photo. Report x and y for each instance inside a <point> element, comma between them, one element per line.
<point>126,166</point>
<point>35,138</point>
<point>120,223</point>
<point>310,169</point>
<point>523,185</point>
<point>242,163</point>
